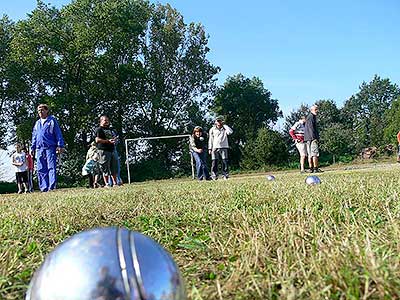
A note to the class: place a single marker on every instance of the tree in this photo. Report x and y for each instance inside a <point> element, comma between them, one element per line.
<point>247,106</point>
<point>337,140</point>
<point>392,121</point>
<point>365,110</point>
<point>267,149</point>
<point>6,27</point>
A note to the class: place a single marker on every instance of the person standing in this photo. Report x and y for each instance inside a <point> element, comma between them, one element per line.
<point>297,134</point>
<point>91,166</point>
<point>116,154</point>
<point>218,147</point>
<point>105,140</point>
<point>47,142</point>
<point>21,167</point>
<point>29,161</point>
<point>198,148</point>
<point>311,137</point>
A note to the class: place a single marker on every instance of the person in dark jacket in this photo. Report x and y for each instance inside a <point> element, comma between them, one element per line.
<point>198,148</point>
<point>311,137</point>
<point>105,141</point>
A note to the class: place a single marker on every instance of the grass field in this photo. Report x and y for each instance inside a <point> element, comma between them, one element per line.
<point>245,238</point>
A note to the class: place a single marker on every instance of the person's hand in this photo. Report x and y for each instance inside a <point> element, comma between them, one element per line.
<point>209,151</point>
<point>199,150</point>
<point>59,150</point>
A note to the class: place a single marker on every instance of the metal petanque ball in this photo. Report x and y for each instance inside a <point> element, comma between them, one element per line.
<point>107,264</point>
<point>313,180</point>
<point>270,177</point>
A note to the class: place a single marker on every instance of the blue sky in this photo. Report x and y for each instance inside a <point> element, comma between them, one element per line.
<point>303,51</point>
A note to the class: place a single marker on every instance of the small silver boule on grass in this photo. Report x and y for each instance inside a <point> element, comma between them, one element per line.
<point>270,177</point>
<point>109,264</point>
<point>313,180</point>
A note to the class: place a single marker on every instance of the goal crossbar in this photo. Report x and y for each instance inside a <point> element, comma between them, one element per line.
<point>153,138</point>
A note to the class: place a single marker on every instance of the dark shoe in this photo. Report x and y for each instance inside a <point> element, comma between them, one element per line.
<point>317,170</point>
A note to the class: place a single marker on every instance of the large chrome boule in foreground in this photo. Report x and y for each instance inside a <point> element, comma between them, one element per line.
<point>313,180</point>
<point>107,264</point>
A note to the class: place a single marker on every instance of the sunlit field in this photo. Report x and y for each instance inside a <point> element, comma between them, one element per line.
<point>245,238</point>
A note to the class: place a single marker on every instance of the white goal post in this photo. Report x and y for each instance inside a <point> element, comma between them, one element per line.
<point>154,138</point>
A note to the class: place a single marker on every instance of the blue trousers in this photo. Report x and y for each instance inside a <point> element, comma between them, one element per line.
<point>201,165</point>
<point>46,162</point>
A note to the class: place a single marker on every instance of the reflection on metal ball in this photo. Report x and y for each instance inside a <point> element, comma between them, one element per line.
<point>107,264</point>
<point>313,180</point>
<point>270,177</point>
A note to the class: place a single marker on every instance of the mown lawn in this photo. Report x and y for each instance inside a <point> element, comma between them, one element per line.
<point>246,238</point>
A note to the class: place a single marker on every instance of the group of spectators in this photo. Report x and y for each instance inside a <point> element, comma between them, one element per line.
<point>217,146</point>
<point>48,144</point>
<point>102,160</point>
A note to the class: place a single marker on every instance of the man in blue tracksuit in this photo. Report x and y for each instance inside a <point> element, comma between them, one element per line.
<point>47,142</point>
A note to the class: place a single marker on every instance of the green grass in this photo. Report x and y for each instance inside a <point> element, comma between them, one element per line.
<point>246,238</point>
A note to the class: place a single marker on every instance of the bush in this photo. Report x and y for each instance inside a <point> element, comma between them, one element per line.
<point>268,149</point>
<point>8,187</point>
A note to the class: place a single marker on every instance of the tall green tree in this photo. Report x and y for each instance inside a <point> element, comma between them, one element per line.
<point>247,106</point>
<point>6,33</point>
<point>266,150</point>
<point>392,121</point>
<point>365,111</point>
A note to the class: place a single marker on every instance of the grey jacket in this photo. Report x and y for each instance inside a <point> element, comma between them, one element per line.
<point>218,137</point>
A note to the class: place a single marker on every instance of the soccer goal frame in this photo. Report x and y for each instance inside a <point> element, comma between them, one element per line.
<point>155,138</point>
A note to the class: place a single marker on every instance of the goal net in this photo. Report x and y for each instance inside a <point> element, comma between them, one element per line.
<point>141,149</point>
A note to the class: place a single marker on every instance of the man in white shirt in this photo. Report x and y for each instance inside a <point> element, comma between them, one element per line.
<point>218,147</point>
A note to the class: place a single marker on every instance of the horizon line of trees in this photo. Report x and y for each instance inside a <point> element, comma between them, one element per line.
<point>142,65</point>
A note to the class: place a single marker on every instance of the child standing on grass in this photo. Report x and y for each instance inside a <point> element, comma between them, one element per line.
<point>30,165</point>
<point>21,173</point>
<point>91,167</point>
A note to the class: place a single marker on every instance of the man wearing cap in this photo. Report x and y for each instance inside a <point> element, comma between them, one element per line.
<point>47,142</point>
<point>218,147</point>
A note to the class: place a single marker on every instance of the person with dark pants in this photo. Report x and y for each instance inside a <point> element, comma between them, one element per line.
<point>218,147</point>
<point>105,141</point>
<point>47,142</point>
<point>311,137</point>
<point>198,148</point>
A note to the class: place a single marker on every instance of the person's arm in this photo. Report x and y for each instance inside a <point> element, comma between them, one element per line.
<point>398,137</point>
<point>104,141</point>
<point>291,133</point>
<point>59,137</point>
<point>192,144</point>
<point>228,129</point>
<point>33,146</point>
<point>210,140</point>
<point>18,164</point>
